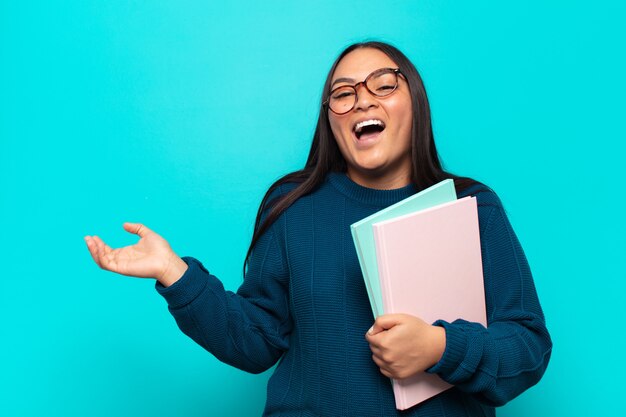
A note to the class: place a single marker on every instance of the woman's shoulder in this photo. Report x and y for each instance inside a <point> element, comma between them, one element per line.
<point>491,211</point>
<point>485,195</point>
<point>279,191</point>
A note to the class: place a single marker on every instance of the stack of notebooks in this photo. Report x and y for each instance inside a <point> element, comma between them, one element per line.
<point>422,257</point>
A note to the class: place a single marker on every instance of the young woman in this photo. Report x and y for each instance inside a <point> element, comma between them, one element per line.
<point>303,301</point>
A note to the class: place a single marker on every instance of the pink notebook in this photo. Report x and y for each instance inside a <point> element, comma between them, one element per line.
<point>429,264</point>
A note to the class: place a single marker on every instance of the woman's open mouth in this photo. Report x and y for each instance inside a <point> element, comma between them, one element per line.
<point>368,129</point>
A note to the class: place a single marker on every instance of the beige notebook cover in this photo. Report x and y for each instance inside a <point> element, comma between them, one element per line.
<point>429,264</point>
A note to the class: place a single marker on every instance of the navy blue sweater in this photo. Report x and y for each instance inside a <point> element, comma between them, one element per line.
<point>303,302</point>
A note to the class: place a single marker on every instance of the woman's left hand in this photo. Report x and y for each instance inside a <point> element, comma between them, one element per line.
<point>403,345</point>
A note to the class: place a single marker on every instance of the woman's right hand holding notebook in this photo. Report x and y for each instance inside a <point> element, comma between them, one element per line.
<point>403,345</point>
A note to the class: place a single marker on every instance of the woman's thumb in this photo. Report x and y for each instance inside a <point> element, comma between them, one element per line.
<point>384,322</point>
<point>137,229</point>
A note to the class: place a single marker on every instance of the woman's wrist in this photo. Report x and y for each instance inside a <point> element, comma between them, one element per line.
<point>174,270</point>
<point>439,343</point>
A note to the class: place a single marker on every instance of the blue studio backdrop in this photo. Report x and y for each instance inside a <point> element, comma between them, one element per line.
<point>180,114</point>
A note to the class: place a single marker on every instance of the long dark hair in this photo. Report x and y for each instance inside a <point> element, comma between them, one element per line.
<point>325,157</point>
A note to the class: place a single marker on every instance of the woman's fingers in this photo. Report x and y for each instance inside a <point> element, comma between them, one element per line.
<point>93,250</point>
<point>100,245</point>
<point>100,252</point>
<point>376,350</point>
<point>382,366</point>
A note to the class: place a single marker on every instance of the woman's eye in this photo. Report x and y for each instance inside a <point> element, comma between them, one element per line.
<point>343,94</point>
<point>385,87</point>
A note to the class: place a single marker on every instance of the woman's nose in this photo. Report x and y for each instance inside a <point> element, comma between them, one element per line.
<point>364,99</point>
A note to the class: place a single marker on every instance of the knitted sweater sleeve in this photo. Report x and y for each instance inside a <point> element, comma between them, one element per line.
<point>248,329</point>
<point>497,363</point>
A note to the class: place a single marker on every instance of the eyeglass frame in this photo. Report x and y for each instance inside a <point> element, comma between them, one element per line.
<point>396,71</point>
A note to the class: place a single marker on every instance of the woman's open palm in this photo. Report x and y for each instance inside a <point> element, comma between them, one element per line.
<point>150,257</point>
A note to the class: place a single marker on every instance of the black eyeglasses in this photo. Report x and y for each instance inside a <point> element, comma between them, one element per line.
<point>380,83</point>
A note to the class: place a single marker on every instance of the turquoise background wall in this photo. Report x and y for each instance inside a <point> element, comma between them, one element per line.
<point>169,113</point>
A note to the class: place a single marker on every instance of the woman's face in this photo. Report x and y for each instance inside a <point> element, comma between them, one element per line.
<point>375,158</point>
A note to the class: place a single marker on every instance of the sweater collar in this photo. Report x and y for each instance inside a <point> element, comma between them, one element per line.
<point>357,192</point>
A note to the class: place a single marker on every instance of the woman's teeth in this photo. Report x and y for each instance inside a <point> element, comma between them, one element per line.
<point>368,126</point>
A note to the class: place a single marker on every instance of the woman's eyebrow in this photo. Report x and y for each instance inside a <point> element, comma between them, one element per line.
<point>342,80</point>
